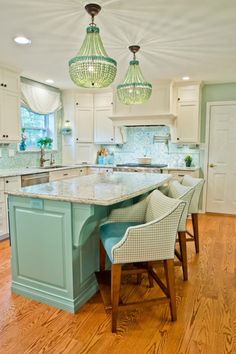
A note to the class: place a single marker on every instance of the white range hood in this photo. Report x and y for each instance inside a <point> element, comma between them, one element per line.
<point>156,111</point>
<point>143,120</point>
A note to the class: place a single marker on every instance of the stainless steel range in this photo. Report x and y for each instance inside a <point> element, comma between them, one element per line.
<point>137,167</point>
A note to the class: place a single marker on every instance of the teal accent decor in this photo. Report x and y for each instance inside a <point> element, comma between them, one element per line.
<point>92,67</point>
<point>135,89</point>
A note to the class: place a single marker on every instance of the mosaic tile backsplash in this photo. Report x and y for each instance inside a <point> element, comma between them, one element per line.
<point>140,142</point>
<point>26,159</point>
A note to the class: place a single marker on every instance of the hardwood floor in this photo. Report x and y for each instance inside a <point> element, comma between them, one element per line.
<point>206,309</point>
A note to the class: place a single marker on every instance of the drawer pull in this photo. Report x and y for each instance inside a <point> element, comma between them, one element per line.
<point>181,175</point>
<point>65,174</point>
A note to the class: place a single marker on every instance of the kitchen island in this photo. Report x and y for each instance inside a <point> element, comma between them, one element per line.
<point>54,233</point>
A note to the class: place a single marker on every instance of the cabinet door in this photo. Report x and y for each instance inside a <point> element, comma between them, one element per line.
<point>188,122</point>
<point>84,125</point>
<point>9,116</point>
<point>188,93</point>
<point>11,81</point>
<point>84,153</point>
<point>84,100</point>
<point>104,130</point>
<point>103,100</point>
<point>12,183</point>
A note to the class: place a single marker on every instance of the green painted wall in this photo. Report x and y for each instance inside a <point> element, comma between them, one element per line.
<point>216,92</point>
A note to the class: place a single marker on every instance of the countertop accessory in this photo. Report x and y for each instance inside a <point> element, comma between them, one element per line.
<point>92,67</point>
<point>135,89</point>
<point>188,160</point>
<point>145,160</point>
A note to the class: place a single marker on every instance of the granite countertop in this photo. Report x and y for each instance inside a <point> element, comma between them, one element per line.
<point>96,189</point>
<point>11,172</point>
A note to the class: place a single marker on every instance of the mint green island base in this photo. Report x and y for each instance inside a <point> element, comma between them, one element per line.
<point>55,238</point>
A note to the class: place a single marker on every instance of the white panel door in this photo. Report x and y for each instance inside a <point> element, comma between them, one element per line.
<point>10,113</point>
<point>221,187</point>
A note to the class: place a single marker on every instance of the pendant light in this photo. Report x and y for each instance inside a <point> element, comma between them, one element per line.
<point>135,89</point>
<point>92,67</point>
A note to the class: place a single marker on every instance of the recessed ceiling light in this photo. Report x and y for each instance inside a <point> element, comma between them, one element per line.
<point>49,81</point>
<point>22,40</point>
<point>185,78</point>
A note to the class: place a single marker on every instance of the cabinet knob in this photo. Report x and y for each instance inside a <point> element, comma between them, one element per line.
<point>4,136</point>
<point>112,139</point>
<point>5,85</point>
<point>7,181</point>
<point>77,139</point>
<point>177,138</point>
<point>2,84</point>
<point>77,103</point>
<point>178,99</point>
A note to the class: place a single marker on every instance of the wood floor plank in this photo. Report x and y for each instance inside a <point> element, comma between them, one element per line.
<point>206,309</point>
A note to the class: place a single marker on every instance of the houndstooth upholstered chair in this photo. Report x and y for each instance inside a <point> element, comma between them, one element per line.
<point>197,184</point>
<point>143,232</point>
<point>178,191</point>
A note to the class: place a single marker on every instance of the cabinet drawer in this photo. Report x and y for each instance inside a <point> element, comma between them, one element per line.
<point>180,174</point>
<point>12,183</point>
<point>57,175</point>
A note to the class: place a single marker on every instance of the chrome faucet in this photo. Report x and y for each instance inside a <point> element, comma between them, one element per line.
<point>52,160</point>
<point>42,159</point>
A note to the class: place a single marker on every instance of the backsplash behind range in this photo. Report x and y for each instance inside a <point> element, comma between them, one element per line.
<point>141,142</point>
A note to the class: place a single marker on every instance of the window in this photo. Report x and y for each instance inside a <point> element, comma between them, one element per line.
<point>37,126</point>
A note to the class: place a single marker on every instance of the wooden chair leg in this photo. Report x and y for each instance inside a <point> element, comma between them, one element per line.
<point>102,257</point>
<point>115,292</point>
<point>195,231</point>
<point>139,278</point>
<point>183,251</point>
<point>170,280</point>
<point>150,278</point>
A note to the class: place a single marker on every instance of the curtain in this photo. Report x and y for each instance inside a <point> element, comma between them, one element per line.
<point>40,99</point>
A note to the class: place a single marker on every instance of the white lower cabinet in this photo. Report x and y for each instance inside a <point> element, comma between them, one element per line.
<point>7,184</point>
<point>179,174</point>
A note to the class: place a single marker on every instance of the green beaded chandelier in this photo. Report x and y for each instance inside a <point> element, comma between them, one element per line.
<point>135,89</point>
<point>92,67</point>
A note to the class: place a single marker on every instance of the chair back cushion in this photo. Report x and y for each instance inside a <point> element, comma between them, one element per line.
<point>158,205</point>
<point>154,240</point>
<point>197,184</point>
<point>178,191</point>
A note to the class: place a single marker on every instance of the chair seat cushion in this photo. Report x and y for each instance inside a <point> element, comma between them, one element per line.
<point>112,233</point>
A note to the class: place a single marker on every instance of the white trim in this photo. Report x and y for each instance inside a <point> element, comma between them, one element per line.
<point>207,141</point>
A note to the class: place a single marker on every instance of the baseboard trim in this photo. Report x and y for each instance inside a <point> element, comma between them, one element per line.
<point>70,305</point>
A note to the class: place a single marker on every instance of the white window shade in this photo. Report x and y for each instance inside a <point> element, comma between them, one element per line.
<point>40,99</point>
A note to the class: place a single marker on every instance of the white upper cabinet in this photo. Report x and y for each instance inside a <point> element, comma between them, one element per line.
<point>84,100</point>
<point>104,130</point>
<point>186,105</point>
<point>9,80</point>
<point>84,118</point>
<point>9,106</point>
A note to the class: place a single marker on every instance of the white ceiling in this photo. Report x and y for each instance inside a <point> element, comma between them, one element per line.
<point>177,37</point>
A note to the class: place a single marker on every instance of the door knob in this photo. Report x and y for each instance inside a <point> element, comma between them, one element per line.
<point>212,165</point>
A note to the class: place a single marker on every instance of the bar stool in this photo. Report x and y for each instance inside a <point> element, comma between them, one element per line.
<point>197,184</point>
<point>178,191</point>
<point>143,232</point>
